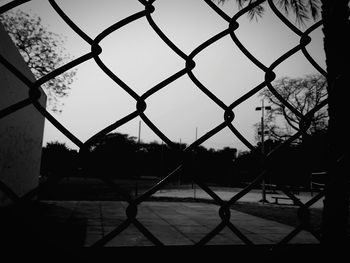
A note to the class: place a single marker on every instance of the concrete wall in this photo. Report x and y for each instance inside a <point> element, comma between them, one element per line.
<point>21,133</point>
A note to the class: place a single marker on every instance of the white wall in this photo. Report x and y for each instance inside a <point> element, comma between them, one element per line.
<point>21,133</point>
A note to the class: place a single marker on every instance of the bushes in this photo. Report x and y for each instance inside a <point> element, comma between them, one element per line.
<point>119,156</point>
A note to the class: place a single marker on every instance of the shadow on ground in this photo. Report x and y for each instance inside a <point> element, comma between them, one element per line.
<point>27,225</point>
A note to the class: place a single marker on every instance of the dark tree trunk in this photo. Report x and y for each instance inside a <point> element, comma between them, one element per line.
<point>335,15</point>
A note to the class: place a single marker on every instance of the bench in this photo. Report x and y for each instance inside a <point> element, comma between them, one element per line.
<point>271,189</point>
<point>281,197</point>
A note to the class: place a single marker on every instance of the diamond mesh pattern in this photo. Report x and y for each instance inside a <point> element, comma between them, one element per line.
<point>141,105</point>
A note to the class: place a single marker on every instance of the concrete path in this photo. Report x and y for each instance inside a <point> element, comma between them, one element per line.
<point>228,193</point>
<point>173,223</point>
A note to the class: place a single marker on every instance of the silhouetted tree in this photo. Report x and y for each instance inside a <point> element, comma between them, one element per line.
<point>303,94</point>
<point>246,166</point>
<point>114,156</point>
<point>301,9</point>
<point>42,50</point>
<point>58,160</point>
<point>335,17</point>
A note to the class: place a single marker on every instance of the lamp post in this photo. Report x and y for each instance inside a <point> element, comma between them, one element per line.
<point>139,153</point>
<point>262,108</point>
<point>193,186</point>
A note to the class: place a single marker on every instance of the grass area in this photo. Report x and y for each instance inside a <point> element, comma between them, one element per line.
<point>280,213</point>
<point>283,214</point>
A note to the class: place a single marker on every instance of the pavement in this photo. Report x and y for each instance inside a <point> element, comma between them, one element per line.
<point>173,223</point>
<point>227,193</point>
<point>53,223</point>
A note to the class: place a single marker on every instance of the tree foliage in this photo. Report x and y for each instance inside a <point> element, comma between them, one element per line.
<point>301,9</point>
<point>303,94</point>
<point>119,157</point>
<point>113,155</point>
<point>42,50</point>
<point>58,160</point>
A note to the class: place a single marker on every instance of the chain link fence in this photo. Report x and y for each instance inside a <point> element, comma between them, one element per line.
<point>228,111</point>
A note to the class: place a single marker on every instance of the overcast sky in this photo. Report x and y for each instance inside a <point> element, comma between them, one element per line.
<point>141,59</point>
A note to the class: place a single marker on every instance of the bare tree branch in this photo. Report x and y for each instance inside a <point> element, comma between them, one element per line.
<point>302,93</point>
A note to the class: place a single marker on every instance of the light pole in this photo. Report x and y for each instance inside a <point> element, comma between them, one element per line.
<point>179,177</point>
<point>139,138</point>
<point>262,108</point>
<point>139,152</point>
<point>193,186</point>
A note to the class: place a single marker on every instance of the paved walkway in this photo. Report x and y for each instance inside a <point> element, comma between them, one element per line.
<point>228,193</point>
<point>173,223</point>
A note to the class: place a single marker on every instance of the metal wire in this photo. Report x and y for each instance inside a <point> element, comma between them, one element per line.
<point>141,105</point>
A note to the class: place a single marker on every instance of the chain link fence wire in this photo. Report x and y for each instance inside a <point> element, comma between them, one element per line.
<point>228,111</point>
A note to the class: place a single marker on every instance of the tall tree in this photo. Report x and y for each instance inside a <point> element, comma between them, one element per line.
<point>335,15</point>
<point>304,94</point>
<point>58,160</point>
<point>42,50</point>
<point>336,24</point>
<point>113,156</point>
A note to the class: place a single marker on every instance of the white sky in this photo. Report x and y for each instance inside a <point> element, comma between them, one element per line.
<point>141,59</point>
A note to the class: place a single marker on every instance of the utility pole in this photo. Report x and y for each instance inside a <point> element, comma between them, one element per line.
<point>139,139</point>
<point>262,108</point>
<point>162,160</point>
<point>179,179</point>
<point>139,149</point>
<point>193,187</point>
